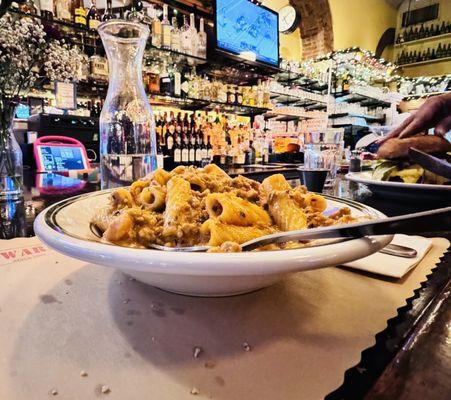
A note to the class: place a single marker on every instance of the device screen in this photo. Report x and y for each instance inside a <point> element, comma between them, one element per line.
<point>61,158</point>
<point>58,181</point>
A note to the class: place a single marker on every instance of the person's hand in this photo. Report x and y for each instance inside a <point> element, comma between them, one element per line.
<point>435,112</point>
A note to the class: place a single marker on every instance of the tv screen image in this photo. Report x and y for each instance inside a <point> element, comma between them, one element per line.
<point>242,26</point>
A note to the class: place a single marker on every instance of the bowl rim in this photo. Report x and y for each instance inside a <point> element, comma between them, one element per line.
<point>224,264</point>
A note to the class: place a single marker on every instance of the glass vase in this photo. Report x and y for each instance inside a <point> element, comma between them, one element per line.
<point>127,126</point>
<point>11,165</point>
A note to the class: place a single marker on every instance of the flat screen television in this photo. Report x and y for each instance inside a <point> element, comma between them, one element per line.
<point>243,27</point>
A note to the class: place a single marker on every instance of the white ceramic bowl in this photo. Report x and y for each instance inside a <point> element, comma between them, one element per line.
<point>65,227</point>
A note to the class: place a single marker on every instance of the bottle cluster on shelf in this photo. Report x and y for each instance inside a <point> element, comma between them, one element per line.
<point>182,138</point>
<point>69,11</point>
<point>423,31</point>
<point>185,83</point>
<point>441,51</point>
<point>169,34</point>
<point>198,139</point>
<point>425,86</point>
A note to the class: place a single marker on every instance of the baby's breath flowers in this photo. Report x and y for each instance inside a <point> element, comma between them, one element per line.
<point>27,54</point>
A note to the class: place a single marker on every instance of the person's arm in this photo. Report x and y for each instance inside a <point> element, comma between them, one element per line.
<point>435,112</point>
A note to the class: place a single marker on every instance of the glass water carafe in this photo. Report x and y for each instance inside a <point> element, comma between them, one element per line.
<point>127,126</point>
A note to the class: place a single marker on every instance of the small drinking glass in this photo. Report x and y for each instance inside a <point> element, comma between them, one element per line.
<point>323,151</point>
<point>205,161</point>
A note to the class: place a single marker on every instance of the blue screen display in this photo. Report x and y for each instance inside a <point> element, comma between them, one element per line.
<point>244,26</point>
<point>60,158</point>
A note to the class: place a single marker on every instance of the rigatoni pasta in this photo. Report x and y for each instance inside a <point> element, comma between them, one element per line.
<point>204,206</point>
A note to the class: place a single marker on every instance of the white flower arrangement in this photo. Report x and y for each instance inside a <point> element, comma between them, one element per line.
<point>27,54</point>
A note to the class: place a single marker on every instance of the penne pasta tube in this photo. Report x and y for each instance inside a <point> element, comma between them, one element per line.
<point>137,187</point>
<point>213,169</point>
<point>177,201</point>
<point>315,201</point>
<point>161,176</point>
<point>121,198</point>
<point>153,198</point>
<point>286,212</point>
<point>275,182</point>
<point>233,210</point>
<point>217,233</point>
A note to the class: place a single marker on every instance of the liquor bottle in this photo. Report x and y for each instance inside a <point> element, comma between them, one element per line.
<point>135,14</point>
<point>62,8</point>
<point>157,34</point>
<point>175,36</point>
<point>185,150</point>
<point>185,39</point>
<point>177,82</point>
<point>165,81</point>
<point>108,11</point>
<point>202,41</point>
<point>166,29</point>
<point>46,9</point>
<point>177,151</point>
<point>193,35</point>
<point>99,68</point>
<point>93,17</point>
<point>80,14</point>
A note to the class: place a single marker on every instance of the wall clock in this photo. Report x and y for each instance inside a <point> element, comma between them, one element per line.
<point>288,19</point>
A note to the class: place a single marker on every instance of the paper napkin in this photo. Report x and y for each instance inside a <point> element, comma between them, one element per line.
<point>394,266</point>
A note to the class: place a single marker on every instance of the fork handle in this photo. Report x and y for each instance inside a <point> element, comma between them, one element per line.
<point>438,219</point>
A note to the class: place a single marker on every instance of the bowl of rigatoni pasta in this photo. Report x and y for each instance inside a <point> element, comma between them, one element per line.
<point>191,206</point>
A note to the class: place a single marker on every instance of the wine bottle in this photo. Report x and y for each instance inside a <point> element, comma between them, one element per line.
<point>209,149</point>
<point>191,150</point>
<point>169,139</point>
<point>178,151</point>
<point>185,150</point>
<point>421,32</point>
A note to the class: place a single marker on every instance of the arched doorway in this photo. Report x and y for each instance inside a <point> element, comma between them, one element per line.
<point>315,26</point>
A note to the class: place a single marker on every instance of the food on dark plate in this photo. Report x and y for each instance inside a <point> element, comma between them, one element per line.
<point>395,165</point>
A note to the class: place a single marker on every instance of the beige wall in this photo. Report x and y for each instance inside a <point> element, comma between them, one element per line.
<point>355,23</point>
<point>290,45</point>
<point>360,22</point>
